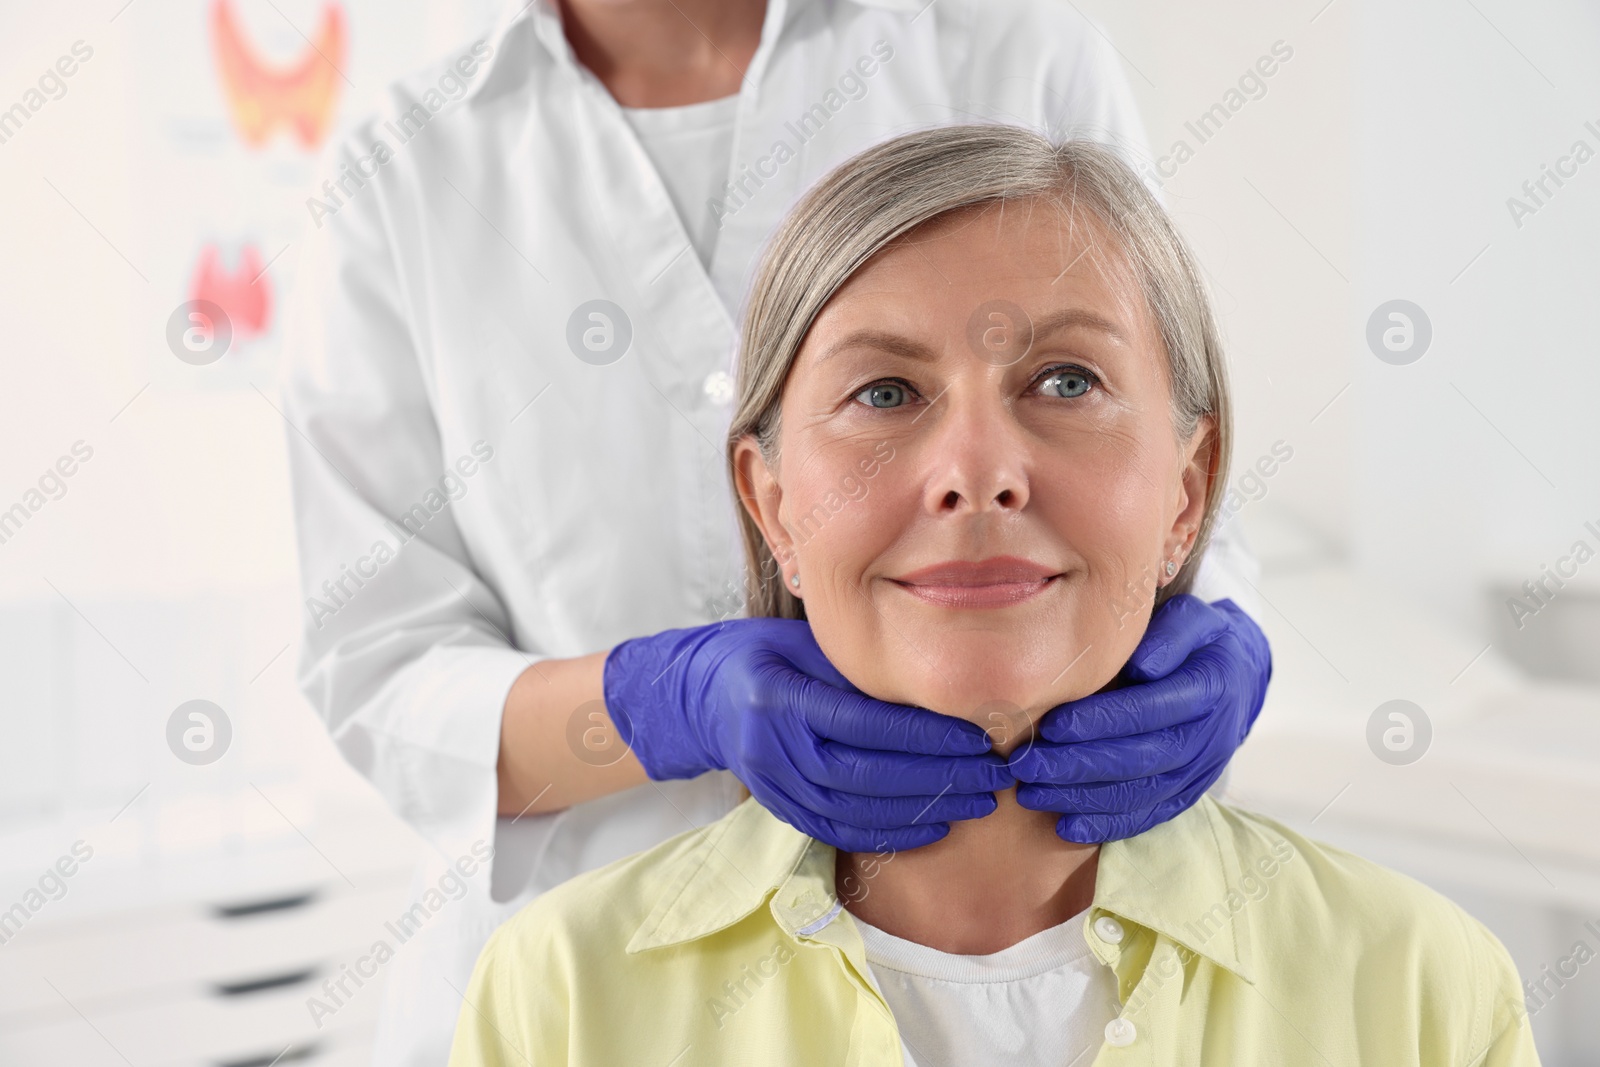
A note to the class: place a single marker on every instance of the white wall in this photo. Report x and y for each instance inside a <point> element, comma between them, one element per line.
<point>1460,105</point>
<point>1267,202</point>
<point>1377,166</point>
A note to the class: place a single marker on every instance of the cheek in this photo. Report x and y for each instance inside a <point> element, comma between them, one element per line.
<point>1108,502</point>
<point>843,508</point>
<point>839,538</point>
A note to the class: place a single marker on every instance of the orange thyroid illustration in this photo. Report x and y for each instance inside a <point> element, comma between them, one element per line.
<point>260,98</point>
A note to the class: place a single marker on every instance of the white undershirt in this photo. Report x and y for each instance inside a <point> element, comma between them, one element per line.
<point>692,149</point>
<point>1043,1002</point>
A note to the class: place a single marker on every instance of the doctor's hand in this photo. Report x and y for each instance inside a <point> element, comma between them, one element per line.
<point>1120,761</point>
<point>757,697</point>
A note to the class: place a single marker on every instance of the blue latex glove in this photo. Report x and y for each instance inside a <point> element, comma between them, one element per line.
<point>1127,758</point>
<point>757,697</point>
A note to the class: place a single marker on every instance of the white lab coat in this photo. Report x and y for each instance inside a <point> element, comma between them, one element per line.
<point>589,503</point>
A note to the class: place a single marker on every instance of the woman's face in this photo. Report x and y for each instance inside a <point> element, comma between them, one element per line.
<point>978,478</point>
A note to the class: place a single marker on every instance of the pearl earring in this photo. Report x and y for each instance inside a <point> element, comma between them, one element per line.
<point>795,581</point>
<point>1172,568</point>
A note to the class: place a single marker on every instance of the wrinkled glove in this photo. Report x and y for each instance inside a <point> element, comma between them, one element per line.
<point>1125,759</point>
<point>757,697</point>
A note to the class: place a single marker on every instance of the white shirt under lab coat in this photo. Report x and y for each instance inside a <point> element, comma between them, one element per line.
<point>472,497</point>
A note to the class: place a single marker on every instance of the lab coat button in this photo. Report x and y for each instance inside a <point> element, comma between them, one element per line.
<point>1109,929</point>
<point>719,388</point>
<point>1120,1033</point>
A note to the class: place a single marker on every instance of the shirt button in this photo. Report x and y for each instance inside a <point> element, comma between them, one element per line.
<point>719,388</point>
<point>1109,929</point>
<point>1120,1033</point>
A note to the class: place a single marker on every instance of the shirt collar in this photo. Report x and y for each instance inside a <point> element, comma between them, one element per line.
<point>1173,878</point>
<point>525,24</point>
<point>726,871</point>
<point>1176,879</point>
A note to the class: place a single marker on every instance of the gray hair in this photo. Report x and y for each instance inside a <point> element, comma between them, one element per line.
<point>893,188</point>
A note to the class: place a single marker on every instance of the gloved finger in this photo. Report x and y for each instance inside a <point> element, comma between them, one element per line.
<point>1121,759</point>
<point>1190,692</point>
<point>1098,829</point>
<point>866,723</point>
<point>1112,798</point>
<point>1252,656</point>
<point>801,652</point>
<point>902,833</point>
<point>1182,624</point>
<point>870,772</point>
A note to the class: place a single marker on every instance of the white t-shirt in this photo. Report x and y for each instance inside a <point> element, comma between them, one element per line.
<point>1043,1002</point>
<point>692,148</point>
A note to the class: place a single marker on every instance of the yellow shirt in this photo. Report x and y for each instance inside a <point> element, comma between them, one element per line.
<point>1234,941</point>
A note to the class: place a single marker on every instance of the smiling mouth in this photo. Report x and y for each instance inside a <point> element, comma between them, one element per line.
<point>992,583</point>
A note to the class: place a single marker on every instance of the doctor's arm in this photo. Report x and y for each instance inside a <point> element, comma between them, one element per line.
<point>541,767</point>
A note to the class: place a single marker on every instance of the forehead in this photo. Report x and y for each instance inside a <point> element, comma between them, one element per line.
<point>1041,254</point>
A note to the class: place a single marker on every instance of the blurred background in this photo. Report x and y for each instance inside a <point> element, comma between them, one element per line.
<point>1401,227</point>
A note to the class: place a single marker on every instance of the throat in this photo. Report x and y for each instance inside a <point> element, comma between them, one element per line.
<point>989,884</point>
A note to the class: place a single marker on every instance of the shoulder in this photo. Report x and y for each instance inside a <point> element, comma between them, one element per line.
<point>1338,892</point>
<point>1047,22</point>
<point>440,112</point>
<point>563,956</point>
<point>1043,63</point>
<point>410,104</point>
<point>688,885</point>
<point>1051,41</point>
<point>1374,930</point>
<point>600,910</point>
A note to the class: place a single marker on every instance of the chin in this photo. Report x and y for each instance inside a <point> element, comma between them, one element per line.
<point>980,687</point>
<point>1004,690</point>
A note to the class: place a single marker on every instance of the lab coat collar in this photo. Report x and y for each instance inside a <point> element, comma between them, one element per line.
<point>522,22</point>
<point>1167,879</point>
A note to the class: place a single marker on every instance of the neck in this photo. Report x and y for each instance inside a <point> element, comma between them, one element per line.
<point>665,53</point>
<point>989,884</point>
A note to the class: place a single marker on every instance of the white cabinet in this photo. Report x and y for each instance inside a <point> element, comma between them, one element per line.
<point>201,959</point>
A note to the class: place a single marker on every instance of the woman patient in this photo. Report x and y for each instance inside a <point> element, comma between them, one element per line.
<point>982,430</point>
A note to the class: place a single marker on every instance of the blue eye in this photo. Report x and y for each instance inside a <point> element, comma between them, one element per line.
<point>883,395</point>
<point>1067,382</point>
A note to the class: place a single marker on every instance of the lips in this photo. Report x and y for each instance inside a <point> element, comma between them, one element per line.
<point>990,583</point>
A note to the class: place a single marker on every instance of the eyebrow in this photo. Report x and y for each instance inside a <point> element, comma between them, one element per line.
<point>1078,318</point>
<point>1055,322</point>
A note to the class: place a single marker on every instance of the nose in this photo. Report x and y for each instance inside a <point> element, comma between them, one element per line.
<point>977,458</point>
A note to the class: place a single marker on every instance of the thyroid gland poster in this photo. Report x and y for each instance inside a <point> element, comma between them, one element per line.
<point>262,95</point>
<point>234,105</point>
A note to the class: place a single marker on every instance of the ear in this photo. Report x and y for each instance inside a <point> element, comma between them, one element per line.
<point>1199,457</point>
<point>762,496</point>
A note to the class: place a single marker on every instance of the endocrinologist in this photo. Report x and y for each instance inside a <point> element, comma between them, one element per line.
<point>507,381</point>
